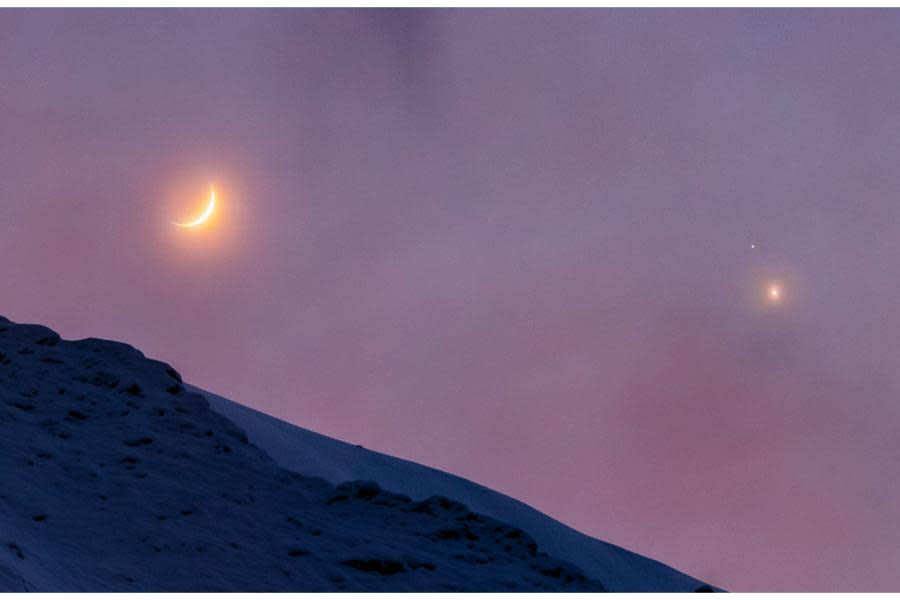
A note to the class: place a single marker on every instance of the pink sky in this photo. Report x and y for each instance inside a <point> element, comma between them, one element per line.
<point>511,245</point>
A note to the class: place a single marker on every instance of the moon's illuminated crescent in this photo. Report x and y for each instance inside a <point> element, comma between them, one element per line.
<point>206,213</point>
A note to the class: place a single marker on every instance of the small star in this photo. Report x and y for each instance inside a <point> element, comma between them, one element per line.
<point>753,246</point>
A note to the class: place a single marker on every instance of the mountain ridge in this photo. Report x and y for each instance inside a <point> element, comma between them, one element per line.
<point>119,477</point>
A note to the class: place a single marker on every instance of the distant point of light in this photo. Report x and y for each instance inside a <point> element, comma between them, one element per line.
<point>753,246</point>
<point>210,207</point>
<point>774,293</point>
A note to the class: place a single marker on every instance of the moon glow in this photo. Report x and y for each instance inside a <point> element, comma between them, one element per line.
<point>207,213</point>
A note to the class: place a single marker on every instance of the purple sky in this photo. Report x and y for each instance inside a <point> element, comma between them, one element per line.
<point>511,245</point>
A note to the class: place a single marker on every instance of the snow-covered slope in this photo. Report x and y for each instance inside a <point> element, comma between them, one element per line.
<point>311,453</point>
<point>114,477</point>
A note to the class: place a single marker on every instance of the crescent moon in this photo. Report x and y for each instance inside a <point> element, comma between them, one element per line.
<point>206,213</point>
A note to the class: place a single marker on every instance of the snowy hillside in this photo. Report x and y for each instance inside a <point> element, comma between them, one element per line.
<point>310,453</point>
<point>116,477</point>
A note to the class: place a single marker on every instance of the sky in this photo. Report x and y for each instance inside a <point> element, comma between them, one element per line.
<point>530,248</point>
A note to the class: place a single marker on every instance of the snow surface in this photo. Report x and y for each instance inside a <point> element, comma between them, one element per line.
<point>114,476</point>
<point>311,453</point>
